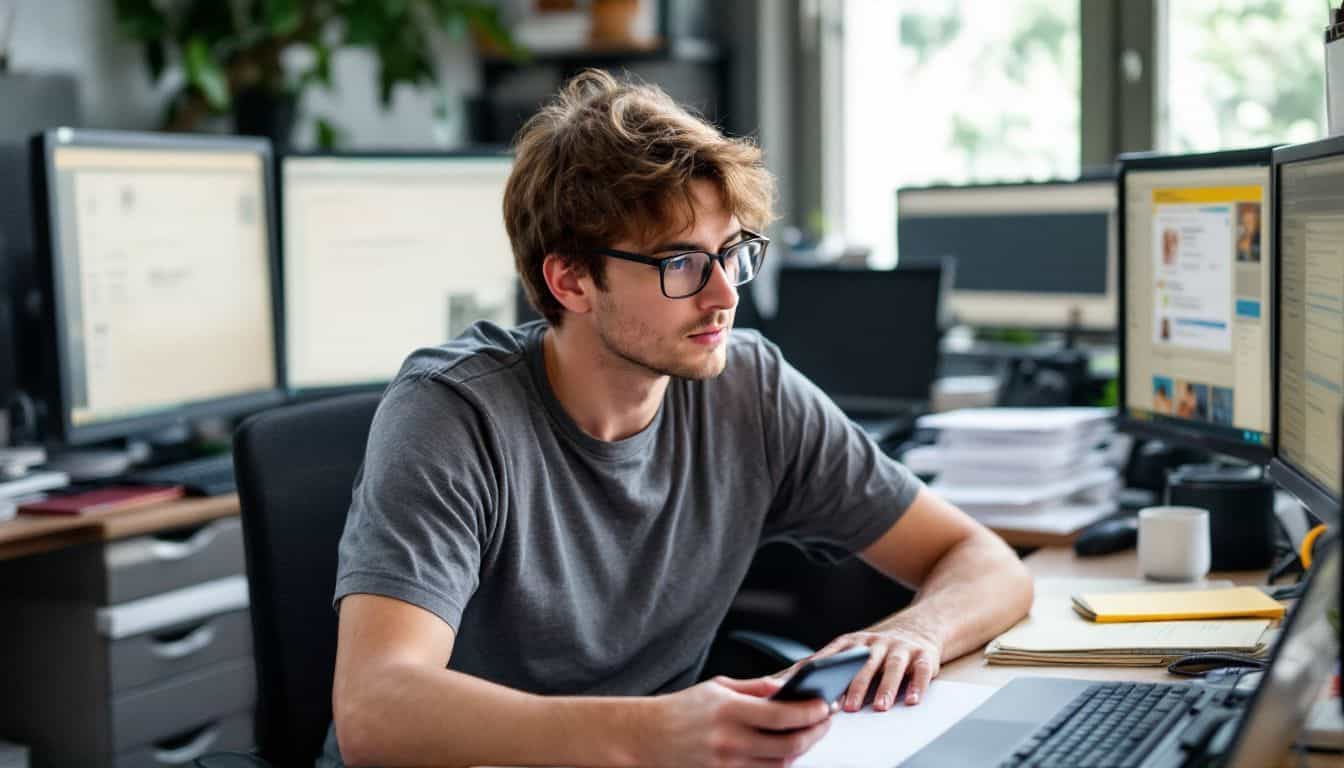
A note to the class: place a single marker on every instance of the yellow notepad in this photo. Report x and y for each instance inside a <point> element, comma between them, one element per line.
<point>1238,602</point>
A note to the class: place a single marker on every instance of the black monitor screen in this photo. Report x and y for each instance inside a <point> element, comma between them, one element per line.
<point>869,338</point>
<point>1026,255</point>
<point>161,262</point>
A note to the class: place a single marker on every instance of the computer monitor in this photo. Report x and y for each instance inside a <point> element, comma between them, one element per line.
<point>157,253</point>
<point>1195,301</point>
<point>387,253</point>
<point>868,338</point>
<point>1309,236</point>
<point>1032,256</point>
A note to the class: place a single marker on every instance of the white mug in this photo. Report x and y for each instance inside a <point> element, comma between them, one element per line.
<point>1174,543</point>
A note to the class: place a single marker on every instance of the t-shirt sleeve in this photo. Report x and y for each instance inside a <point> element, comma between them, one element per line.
<point>836,492</point>
<point>423,505</point>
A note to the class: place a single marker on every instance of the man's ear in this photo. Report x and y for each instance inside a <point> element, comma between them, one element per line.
<point>570,285</point>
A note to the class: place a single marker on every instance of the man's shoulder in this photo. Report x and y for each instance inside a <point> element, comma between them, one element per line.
<point>483,351</point>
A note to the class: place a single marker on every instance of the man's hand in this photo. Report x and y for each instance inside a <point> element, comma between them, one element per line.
<point>726,722</point>
<point>898,648</point>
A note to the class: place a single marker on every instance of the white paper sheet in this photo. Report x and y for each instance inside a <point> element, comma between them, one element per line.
<point>883,739</point>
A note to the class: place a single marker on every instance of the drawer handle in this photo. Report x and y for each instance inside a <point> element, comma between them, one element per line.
<point>180,550</point>
<point>199,745</point>
<point>198,640</point>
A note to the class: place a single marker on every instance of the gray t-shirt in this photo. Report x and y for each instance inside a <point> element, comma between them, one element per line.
<point>570,565</point>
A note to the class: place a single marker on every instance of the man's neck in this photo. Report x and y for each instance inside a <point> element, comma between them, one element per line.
<point>608,397</point>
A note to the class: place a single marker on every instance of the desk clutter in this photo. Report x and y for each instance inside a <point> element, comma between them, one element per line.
<point>1056,633</point>
<point>1038,470</point>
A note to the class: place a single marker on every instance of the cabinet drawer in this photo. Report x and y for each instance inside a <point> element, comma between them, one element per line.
<point>169,708</point>
<point>178,648</point>
<point>232,733</point>
<point>147,565</point>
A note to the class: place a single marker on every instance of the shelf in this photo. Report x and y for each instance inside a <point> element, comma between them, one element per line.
<point>692,50</point>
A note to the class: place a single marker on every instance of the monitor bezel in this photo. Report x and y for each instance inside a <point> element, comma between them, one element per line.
<point>302,393</point>
<point>1167,431</point>
<point>55,388</point>
<point>956,296</point>
<point>1319,500</point>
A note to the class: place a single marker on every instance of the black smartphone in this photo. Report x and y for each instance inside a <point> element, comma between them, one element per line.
<point>824,679</point>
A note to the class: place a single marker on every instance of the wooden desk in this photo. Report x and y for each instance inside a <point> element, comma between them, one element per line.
<point>1060,562</point>
<point>31,534</point>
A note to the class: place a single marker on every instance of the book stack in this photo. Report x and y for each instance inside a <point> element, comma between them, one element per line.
<point>1035,470</point>
<point>1056,632</point>
<point>21,482</point>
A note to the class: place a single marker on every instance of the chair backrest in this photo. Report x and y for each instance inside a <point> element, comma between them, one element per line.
<point>295,469</point>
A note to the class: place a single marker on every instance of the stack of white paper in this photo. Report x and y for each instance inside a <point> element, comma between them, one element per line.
<point>1028,469</point>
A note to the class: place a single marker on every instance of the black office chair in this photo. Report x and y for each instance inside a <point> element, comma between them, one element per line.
<point>295,469</point>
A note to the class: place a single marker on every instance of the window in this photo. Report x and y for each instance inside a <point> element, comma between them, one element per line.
<point>1241,73</point>
<point>955,92</point>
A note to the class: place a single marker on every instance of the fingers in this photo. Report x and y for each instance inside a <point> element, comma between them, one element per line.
<point>759,687</point>
<point>892,676</point>
<point>778,715</point>
<point>771,748</point>
<point>892,662</point>
<point>922,671</point>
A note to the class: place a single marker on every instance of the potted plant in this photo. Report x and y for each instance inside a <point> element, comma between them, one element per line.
<point>230,51</point>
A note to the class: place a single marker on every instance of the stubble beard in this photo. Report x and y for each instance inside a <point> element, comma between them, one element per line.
<point>637,344</point>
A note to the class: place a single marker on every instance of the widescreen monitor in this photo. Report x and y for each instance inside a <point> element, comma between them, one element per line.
<point>384,254</point>
<point>158,260</point>
<point>1196,289</point>
<point>1309,232</point>
<point>1030,256</point>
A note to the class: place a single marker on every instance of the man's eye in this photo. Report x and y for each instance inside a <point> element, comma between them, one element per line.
<point>678,265</point>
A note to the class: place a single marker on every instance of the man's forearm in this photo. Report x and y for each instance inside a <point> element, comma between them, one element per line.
<point>979,589</point>
<point>411,715</point>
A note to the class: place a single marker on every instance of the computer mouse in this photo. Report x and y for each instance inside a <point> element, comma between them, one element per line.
<point>1115,534</point>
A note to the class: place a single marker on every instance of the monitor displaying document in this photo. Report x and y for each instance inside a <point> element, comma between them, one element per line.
<point>1310,360</point>
<point>386,254</point>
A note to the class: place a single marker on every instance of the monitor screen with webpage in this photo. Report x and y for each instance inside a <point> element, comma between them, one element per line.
<point>386,254</point>
<point>160,262</point>
<point>1195,301</point>
<point>1310,220</point>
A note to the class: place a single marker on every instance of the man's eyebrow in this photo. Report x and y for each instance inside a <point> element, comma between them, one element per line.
<point>685,246</point>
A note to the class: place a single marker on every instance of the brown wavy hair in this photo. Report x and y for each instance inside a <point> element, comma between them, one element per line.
<point>608,160</point>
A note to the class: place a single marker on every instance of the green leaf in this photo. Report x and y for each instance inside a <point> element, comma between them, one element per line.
<point>364,23</point>
<point>206,74</point>
<point>140,19</point>
<point>326,134</point>
<point>282,16</point>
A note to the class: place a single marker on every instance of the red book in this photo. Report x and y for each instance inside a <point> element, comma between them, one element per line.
<point>111,499</point>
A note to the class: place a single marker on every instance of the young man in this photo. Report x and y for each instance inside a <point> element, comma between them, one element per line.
<point>552,520</point>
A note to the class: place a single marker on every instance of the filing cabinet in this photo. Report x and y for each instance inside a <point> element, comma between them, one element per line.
<point>129,653</point>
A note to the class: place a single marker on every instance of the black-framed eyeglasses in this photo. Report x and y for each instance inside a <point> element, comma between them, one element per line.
<point>685,274</point>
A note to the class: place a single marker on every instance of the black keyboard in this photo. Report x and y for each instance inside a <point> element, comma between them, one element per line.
<point>1108,725</point>
<point>209,476</point>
